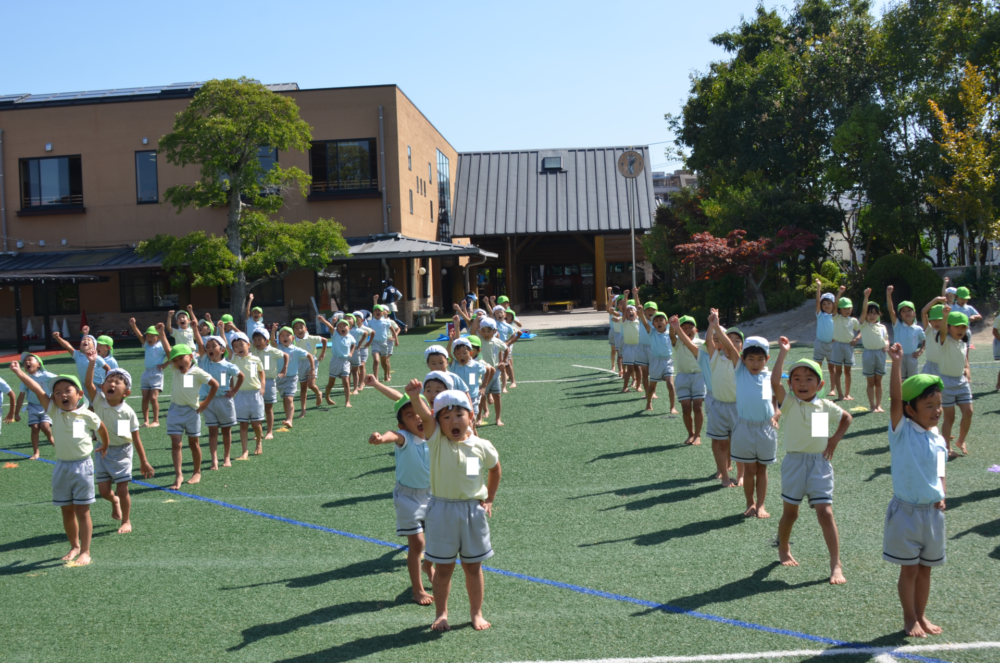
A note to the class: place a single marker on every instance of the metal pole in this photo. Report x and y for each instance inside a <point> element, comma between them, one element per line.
<point>631,225</point>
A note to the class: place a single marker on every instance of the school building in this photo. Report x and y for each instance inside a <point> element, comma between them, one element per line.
<point>81,184</point>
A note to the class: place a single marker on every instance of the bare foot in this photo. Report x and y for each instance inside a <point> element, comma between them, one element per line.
<point>837,576</point>
<point>71,555</point>
<point>750,512</point>
<point>513,385</point>
<point>952,454</point>
<point>696,442</point>
<point>441,623</point>
<point>302,415</point>
<point>145,424</point>
<point>832,395</point>
<point>355,392</point>
<point>505,390</point>
<point>655,397</point>
<point>500,423</point>
<point>155,424</point>
<point>688,439</point>
<point>785,557</point>
<point>672,410</point>
<point>329,401</point>
<point>258,451</point>
<point>227,463</point>
<point>116,508</point>
<point>245,456</point>
<point>479,623</point>
<point>348,405</point>
<point>177,483</point>
<point>195,478</point>
<point>125,528</point>
<point>878,409</point>
<point>762,513</point>
<point>624,390</point>
<point>929,628</point>
<point>287,423</point>
<point>964,449</point>
<point>214,465</point>
<point>319,402</point>
<point>649,406</point>
<point>848,398</point>
<point>422,597</point>
<point>82,560</point>
<point>728,482</point>
<point>914,629</point>
<point>35,456</point>
<point>269,436</point>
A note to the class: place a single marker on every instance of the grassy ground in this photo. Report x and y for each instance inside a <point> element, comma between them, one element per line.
<point>595,493</point>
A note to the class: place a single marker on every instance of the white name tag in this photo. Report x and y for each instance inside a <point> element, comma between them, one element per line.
<point>472,466</point>
<point>821,424</point>
<point>473,379</point>
<point>766,392</point>
<point>79,428</point>
<point>188,381</point>
<point>267,362</point>
<point>124,428</point>
<point>942,458</point>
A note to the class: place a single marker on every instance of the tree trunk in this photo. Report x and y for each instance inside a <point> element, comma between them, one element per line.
<point>239,290</point>
<point>761,302</point>
<point>968,243</point>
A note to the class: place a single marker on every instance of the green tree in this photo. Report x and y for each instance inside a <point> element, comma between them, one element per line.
<point>224,131</point>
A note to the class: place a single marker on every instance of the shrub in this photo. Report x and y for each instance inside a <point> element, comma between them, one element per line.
<point>911,279</point>
<point>831,272</point>
<point>785,299</point>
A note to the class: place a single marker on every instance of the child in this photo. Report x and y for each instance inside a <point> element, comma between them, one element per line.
<point>254,316</point>
<point>906,332</point>
<point>381,326</point>
<point>616,312</point>
<point>288,385</point>
<point>5,390</point>
<point>184,414</point>
<point>655,338</point>
<point>953,363</point>
<point>362,339</point>
<point>271,358</point>
<point>643,358</point>
<point>474,373</point>
<point>844,340</point>
<point>493,353</point>
<point>755,436</point>
<point>506,332</point>
<point>227,329</point>
<point>115,465</point>
<point>962,305</point>
<point>412,492</point>
<point>630,347</point>
<point>823,346</point>
<point>73,476</point>
<point>947,293</point>
<point>511,319</point>
<point>38,418</point>
<point>875,339</point>
<point>343,348</point>
<point>184,332</point>
<point>88,349</point>
<point>914,535</point>
<point>151,382</point>
<point>220,414</point>
<point>806,470</point>
<point>249,398</point>
<point>106,351</point>
<point>307,372</point>
<point>933,317</point>
<point>461,499</point>
<point>691,390</point>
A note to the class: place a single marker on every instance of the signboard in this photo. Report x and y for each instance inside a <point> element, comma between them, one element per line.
<point>630,164</point>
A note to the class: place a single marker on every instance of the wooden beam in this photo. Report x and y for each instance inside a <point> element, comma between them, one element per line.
<point>600,273</point>
<point>509,271</point>
<point>532,240</point>
<point>587,245</point>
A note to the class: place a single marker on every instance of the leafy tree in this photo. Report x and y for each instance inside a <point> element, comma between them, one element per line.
<point>716,257</point>
<point>224,131</point>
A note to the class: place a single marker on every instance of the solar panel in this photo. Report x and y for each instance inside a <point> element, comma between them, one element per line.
<point>35,98</point>
<point>11,97</point>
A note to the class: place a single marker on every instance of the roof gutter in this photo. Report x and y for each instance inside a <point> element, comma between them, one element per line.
<point>475,262</point>
<point>3,198</point>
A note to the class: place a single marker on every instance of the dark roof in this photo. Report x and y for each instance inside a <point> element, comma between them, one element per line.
<point>507,193</point>
<point>53,279</point>
<point>172,91</point>
<point>90,260</point>
<point>394,245</point>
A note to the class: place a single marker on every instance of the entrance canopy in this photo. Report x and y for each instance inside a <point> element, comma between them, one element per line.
<point>394,246</point>
<point>44,280</point>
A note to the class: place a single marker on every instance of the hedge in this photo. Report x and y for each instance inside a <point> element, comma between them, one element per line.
<point>911,279</point>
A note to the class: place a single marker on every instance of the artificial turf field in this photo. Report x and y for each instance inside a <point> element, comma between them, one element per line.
<point>596,494</point>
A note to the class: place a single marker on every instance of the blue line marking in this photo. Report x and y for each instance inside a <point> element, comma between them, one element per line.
<point>664,607</point>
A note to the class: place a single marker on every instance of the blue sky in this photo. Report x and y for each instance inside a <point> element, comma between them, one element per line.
<point>507,75</point>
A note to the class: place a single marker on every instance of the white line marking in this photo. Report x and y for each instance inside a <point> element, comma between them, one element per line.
<point>565,380</point>
<point>595,368</point>
<point>880,654</point>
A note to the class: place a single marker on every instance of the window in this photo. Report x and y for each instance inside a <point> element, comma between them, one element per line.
<point>143,290</point>
<point>411,201</point>
<point>411,288</point>
<point>432,211</point>
<point>343,166</point>
<point>56,299</point>
<point>409,158</point>
<point>444,197</point>
<point>425,285</point>
<point>552,163</point>
<point>270,293</point>
<point>55,182</point>
<point>430,177</point>
<point>146,189</point>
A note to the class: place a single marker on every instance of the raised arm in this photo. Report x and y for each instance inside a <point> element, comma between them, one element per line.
<point>389,437</point>
<point>896,385</point>
<point>170,322</point>
<point>63,343</point>
<point>943,336</point>
<point>726,343</point>
<point>864,304</point>
<point>610,302</point>
<point>888,302</point>
<point>944,287</point>
<point>246,314</point>
<point>274,339</point>
<point>163,338</point>
<point>88,380</point>
<point>926,311</point>
<point>385,390</point>
<point>332,328</point>
<point>136,331</point>
<point>819,296</point>
<point>776,387</point>
<point>33,387</point>
<point>675,327</point>
<point>642,315</point>
<point>420,407</point>
<point>199,341</point>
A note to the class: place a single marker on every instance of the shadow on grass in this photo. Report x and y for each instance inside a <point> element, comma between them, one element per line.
<point>978,496</point>
<point>988,530</point>
<point>351,501</point>
<point>362,647</point>
<point>51,539</point>
<point>610,419</point>
<point>386,563</point>
<point>381,470</point>
<point>878,451</point>
<point>636,452</point>
<point>880,471</point>
<point>320,616</point>
<point>668,498</point>
<point>20,567</point>
<point>638,490</point>
<point>897,639</point>
<point>691,529</point>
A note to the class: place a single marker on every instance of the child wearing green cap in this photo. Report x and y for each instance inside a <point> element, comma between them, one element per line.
<point>825,310</point>
<point>343,349</point>
<point>962,305</point>
<point>184,332</point>
<point>874,339</point>
<point>88,349</point>
<point>151,382</point>
<point>954,366</point>
<point>933,317</point>
<point>38,418</point>
<point>73,476</point>
<point>307,372</point>
<point>254,317</point>
<point>844,340</point>
<point>906,332</point>
<point>655,337</point>
<point>106,351</point>
<point>690,383</point>
<point>914,532</point>
<point>381,326</point>
<point>806,469</point>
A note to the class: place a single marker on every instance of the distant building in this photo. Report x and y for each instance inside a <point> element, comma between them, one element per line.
<point>665,184</point>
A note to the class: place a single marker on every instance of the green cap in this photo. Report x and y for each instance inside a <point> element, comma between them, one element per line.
<point>344,320</point>
<point>258,309</point>
<point>956,319</point>
<point>903,305</point>
<point>297,321</point>
<point>736,330</point>
<point>502,299</point>
<point>962,293</point>
<point>660,314</point>
<point>286,329</point>
<point>474,340</point>
<point>845,303</point>
<point>630,302</point>
<point>651,305</point>
<point>875,304</point>
<point>107,340</point>
<point>349,315</point>
<point>41,364</point>
<point>152,330</point>
<point>211,327</point>
<point>226,318</point>
<point>179,350</point>
<point>686,320</point>
<point>511,311</point>
<point>806,363</point>
<point>936,312</point>
<point>915,385</point>
<point>68,378</point>
<point>405,400</point>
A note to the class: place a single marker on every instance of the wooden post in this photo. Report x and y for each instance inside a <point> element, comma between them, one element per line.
<point>600,273</point>
<point>17,319</point>
<point>510,271</point>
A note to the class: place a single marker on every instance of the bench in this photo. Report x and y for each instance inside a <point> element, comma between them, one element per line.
<point>424,316</point>
<point>546,305</point>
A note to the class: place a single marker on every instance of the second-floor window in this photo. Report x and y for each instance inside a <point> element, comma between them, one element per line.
<point>343,166</point>
<point>51,182</point>
<point>146,187</point>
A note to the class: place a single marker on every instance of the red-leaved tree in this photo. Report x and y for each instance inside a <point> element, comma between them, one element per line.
<point>714,257</point>
<point>793,242</point>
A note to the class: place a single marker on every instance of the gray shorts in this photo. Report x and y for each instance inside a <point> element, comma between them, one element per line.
<point>184,420</point>
<point>822,351</point>
<point>661,368</point>
<point>722,419</point>
<point>411,508</point>
<point>355,359</point>
<point>873,363</point>
<point>220,412</point>
<point>931,368</point>
<point>754,442</point>
<point>287,386</point>
<point>73,482</point>
<point>116,466</point>
<point>909,366</point>
<point>913,534</point>
<point>494,386</point>
<point>619,342</point>
<point>37,415</point>
<point>362,356</point>
<point>456,528</point>
<point>630,354</point>
<point>996,350</point>
<point>340,367</point>
<point>843,354</point>
<point>690,386</point>
<point>270,391</point>
<point>249,406</point>
<point>380,348</point>
<point>392,347</point>
<point>957,391</point>
<point>806,475</point>
<point>304,372</point>
<point>151,379</point>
